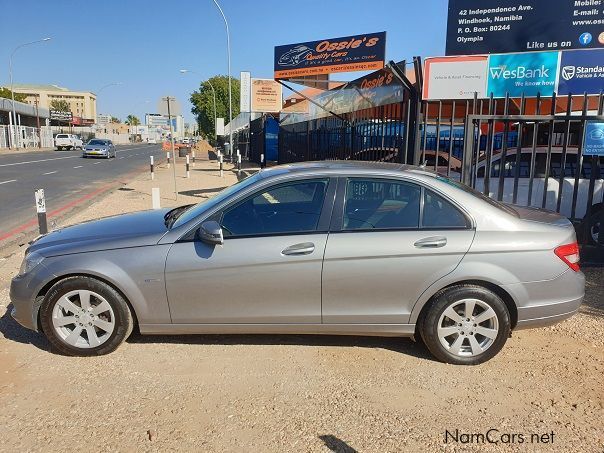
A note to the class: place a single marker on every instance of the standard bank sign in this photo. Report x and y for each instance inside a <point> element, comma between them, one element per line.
<point>581,72</point>
<point>528,73</point>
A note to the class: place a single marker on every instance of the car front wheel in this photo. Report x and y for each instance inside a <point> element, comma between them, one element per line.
<point>465,325</point>
<point>82,316</point>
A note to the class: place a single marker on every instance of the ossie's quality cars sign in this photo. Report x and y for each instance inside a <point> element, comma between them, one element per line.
<point>350,53</point>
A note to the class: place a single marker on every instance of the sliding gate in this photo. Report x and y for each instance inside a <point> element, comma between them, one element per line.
<point>540,160</point>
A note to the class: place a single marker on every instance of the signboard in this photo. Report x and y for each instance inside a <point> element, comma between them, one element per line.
<point>581,72</point>
<point>528,73</point>
<point>593,142</point>
<point>455,77</point>
<point>59,115</point>
<point>40,201</point>
<point>266,96</point>
<point>500,26</point>
<point>244,95</point>
<point>349,53</point>
<point>219,126</point>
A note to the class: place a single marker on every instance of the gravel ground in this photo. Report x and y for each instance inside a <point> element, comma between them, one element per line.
<point>297,393</point>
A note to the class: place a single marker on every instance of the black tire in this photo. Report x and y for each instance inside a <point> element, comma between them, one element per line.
<point>449,297</point>
<point>124,322</point>
<point>593,225</point>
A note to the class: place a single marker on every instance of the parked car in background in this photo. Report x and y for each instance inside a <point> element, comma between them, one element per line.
<point>68,141</point>
<point>186,141</point>
<point>152,141</point>
<point>349,248</point>
<point>98,147</point>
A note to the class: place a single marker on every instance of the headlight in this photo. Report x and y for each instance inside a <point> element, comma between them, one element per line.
<point>30,261</point>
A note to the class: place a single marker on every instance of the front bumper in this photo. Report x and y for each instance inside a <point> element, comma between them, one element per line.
<point>94,153</point>
<point>23,292</point>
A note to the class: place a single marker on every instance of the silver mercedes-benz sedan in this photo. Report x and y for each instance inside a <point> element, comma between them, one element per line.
<point>316,248</point>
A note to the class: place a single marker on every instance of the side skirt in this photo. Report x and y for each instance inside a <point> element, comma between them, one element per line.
<point>379,330</point>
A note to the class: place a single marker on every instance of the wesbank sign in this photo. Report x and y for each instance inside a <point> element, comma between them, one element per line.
<point>528,73</point>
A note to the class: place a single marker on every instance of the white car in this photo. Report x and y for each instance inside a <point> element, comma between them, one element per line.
<point>152,141</point>
<point>68,141</point>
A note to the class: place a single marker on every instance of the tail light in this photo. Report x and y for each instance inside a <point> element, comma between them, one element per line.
<point>569,253</point>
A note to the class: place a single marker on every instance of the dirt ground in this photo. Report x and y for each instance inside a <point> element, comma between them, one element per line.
<point>543,392</point>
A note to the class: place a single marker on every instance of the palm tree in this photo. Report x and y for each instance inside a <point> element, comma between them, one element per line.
<point>132,120</point>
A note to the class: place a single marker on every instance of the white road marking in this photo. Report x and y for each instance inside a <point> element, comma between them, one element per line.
<point>50,172</point>
<point>96,163</point>
<point>79,166</point>
<point>6,182</point>
<point>121,157</point>
<point>34,161</point>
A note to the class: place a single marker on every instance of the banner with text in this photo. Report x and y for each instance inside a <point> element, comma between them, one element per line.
<point>455,77</point>
<point>267,96</point>
<point>528,73</point>
<point>581,72</point>
<point>501,26</point>
<point>349,53</point>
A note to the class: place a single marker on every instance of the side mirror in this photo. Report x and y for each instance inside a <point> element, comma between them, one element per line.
<point>210,232</point>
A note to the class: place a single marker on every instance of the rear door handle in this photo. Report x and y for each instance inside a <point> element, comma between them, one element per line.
<point>304,248</point>
<point>431,242</point>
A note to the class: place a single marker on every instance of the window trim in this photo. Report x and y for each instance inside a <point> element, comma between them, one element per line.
<point>337,221</point>
<point>324,216</point>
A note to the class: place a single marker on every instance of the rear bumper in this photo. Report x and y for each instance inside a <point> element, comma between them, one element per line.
<point>548,302</point>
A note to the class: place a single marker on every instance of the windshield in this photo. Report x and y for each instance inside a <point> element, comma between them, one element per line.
<point>199,208</point>
<point>97,142</point>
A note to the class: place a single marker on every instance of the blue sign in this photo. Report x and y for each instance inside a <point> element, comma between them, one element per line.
<point>529,73</point>
<point>502,26</point>
<point>593,144</point>
<point>581,71</point>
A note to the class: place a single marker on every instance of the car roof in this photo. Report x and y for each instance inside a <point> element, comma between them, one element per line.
<point>346,167</point>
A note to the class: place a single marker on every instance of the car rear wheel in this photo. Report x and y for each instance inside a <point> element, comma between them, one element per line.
<point>465,325</point>
<point>82,316</point>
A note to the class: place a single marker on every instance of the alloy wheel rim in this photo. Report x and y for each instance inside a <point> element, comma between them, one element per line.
<point>83,319</point>
<point>595,232</point>
<point>468,327</point>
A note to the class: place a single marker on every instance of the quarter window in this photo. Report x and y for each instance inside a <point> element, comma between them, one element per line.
<point>440,213</point>
<point>381,204</point>
<point>288,208</point>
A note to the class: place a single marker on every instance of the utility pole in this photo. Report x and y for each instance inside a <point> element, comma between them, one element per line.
<point>38,123</point>
<point>228,35</point>
<point>169,99</point>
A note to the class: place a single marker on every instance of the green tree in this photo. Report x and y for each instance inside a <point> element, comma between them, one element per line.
<point>115,120</point>
<point>60,105</point>
<point>132,120</point>
<point>6,93</point>
<point>203,102</point>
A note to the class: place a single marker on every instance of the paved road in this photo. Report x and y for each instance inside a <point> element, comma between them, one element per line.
<point>64,175</point>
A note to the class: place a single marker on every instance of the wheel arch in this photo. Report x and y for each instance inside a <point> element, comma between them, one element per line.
<point>41,296</point>
<point>502,293</point>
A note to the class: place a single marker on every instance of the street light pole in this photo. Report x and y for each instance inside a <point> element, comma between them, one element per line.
<point>10,71</point>
<point>184,71</point>
<point>229,74</point>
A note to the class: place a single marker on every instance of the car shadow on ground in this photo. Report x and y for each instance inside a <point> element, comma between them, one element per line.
<point>11,330</point>
<point>593,304</point>
<point>401,345</point>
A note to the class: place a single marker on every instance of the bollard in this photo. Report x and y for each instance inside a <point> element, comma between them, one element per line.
<point>221,173</point>
<point>262,161</point>
<point>238,164</point>
<point>168,156</point>
<point>188,173</point>
<point>152,169</point>
<point>193,152</point>
<point>155,198</point>
<point>41,210</point>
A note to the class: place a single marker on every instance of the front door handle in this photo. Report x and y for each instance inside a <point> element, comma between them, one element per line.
<point>304,248</point>
<point>431,242</point>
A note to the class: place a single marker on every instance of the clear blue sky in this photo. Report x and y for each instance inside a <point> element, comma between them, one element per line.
<point>143,44</point>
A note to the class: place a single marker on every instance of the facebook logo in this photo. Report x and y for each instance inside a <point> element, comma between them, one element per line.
<point>585,39</point>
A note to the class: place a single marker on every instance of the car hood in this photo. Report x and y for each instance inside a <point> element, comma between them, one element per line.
<point>121,231</point>
<point>97,146</point>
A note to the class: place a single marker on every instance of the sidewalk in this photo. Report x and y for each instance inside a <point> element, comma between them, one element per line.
<point>24,150</point>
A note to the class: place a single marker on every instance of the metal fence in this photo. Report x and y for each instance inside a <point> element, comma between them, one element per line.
<point>29,137</point>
